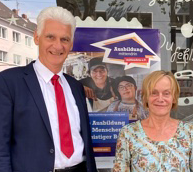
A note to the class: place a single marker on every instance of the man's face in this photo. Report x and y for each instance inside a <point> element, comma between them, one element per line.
<point>99,75</point>
<point>126,90</point>
<point>54,44</point>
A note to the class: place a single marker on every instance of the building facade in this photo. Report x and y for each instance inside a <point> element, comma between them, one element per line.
<point>17,47</point>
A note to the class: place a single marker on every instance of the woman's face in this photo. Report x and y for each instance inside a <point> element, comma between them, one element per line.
<point>161,99</point>
<point>126,90</point>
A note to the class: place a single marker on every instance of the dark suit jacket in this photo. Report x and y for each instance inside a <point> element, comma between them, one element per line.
<point>26,142</point>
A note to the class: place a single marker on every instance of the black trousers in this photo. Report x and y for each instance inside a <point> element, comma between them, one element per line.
<point>77,168</point>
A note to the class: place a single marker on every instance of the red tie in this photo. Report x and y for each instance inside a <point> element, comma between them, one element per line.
<point>64,125</point>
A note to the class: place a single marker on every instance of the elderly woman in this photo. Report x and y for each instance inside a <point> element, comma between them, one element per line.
<point>125,89</point>
<point>157,143</point>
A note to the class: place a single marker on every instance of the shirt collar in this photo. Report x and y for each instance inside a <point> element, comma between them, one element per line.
<point>44,72</point>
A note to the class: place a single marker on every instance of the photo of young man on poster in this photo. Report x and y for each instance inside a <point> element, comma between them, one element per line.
<point>98,86</point>
<point>125,89</point>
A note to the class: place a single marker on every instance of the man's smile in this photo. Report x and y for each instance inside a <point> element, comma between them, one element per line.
<point>56,53</point>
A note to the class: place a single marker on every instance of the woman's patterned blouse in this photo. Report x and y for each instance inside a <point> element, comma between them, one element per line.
<point>135,152</point>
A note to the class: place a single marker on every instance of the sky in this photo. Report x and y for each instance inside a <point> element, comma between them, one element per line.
<point>29,7</point>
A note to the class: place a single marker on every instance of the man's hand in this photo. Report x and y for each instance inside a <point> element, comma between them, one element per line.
<point>90,93</point>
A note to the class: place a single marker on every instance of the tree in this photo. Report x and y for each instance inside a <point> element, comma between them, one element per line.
<point>85,8</point>
<point>70,5</point>
<point>75,5</point>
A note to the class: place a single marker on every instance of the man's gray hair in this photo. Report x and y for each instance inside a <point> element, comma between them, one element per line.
<point>56,13</point>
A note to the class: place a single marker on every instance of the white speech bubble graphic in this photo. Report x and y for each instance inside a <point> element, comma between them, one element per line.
<point>106,58</point>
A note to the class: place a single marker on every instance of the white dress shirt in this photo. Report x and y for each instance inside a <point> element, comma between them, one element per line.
<point>44,76</point>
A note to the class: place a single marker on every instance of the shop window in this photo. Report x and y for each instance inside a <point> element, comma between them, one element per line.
<point>144,18</point>
<point>181,19</point>
<point>101,14</point>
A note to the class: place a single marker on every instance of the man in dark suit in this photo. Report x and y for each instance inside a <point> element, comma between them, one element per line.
<point>30,110</point>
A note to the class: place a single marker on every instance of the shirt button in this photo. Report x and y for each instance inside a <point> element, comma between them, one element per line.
<point>51,150</point>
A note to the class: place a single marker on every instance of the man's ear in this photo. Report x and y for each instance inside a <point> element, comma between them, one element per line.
<point>36,38</point>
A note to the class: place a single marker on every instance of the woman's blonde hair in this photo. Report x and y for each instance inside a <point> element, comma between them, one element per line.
<point>149,84</point>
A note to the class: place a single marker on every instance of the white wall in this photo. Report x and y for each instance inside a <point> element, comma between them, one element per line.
<point>11,47</point>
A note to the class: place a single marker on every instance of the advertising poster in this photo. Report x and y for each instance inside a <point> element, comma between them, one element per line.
<point>111,64</point>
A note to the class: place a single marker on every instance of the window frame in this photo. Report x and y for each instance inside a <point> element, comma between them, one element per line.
<point>3,56</point>
<point>16,37</point>
<point>28,41</point>
<point>1,32</point>
<point>28,60</point>
<point>17,59</point>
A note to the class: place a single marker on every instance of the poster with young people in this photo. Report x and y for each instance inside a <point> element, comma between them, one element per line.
<point>111,64</point>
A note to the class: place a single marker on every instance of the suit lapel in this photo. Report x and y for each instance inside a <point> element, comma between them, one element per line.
<point>74,91</point>
<point>85,132</point>
<point>34,87</point>
<point>79,102</point>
